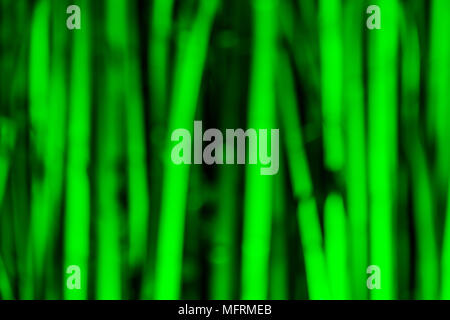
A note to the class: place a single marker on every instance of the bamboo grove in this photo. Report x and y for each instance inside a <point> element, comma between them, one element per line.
<point>85,171</point>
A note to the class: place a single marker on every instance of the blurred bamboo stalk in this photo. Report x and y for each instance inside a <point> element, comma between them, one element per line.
<point>335,225</point>
<point>78,188</point>
<point>109,274</point>
<point>382,145</point>
<point>279,276</point>
<point>356,164</point>
<point>309,225</point>
<point>39,76</point>
<point>331,60</point>
<point>438,104</point>
<point>161,28</point>
<point>258,188</point>
<point>188,72</point>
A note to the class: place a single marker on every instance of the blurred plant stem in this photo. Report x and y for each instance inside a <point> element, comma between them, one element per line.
<point>382,145</point>
<point>189,65</point>
<point>78,188</point>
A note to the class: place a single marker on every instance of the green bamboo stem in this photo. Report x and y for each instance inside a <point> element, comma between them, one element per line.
<point>336,245</point>
<point>109,272</point>
<point>309,225</point>
<point>355,169</point>
<point>258,188</point>
<point>77,218</point>
<point>331,82</point>
<point>382,144</point>
<point>187,79</point>
<point>427,256</point>
<point>315,261</point>
<point>159,56</point>
<point>39,93</point>
<point>279,276</point>
<point>438,104</point>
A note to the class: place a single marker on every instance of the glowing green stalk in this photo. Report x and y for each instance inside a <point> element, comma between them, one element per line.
<point>336,246</point>
<point>382,145</point>
<point>77,219</point>
<point>315,263</point>
<point>439,82</point>
<point>39,94</point>
<point>109,253</point>
<point>159,55</point>
<point>331,67</point>
<point>309,225</point>
<point>279,277</point>
<point>258,188</point>
<point>187,80</point>
<point>353,94</point>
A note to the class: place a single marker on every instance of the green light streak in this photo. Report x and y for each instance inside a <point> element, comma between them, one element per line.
<point>187,80</point>
<point>356,166</point>
<point>159,56</point>
<point>382,145</point>
<point>439,82</point>
<point>315,263</point>
<point>336,247</point>
<point>258,188</point>
<point>77,219</point>
<point>39,94</point>
<point>427,257</point>
<point>109,253</point>
<point>309,225</point>
<point>279,277</point>
<point>290,121</point>
<point>331,82</point>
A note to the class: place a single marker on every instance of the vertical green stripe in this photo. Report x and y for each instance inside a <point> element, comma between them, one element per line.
<point>336,246</point>
<point>356,166</point>
<point>77,219</point>
<point>330,18</point>
<point>439,83</point>
<point>39,94</point>
<point>109,152</point>
<point>315,263</point>
<point>382,145</point>
<point>187,79</point>
<point>258,188</point>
